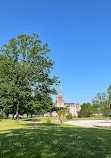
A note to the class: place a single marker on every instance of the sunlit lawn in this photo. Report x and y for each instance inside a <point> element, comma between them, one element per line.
<point>51,140</point>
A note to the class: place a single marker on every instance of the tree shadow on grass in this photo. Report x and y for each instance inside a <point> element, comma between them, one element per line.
<point>28,120</point>
<point>55,141</point>
<point>41,124</point>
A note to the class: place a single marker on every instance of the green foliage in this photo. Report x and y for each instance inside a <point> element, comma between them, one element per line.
<point>69,116</point>
<point>4,115</point>
<point>109,95</point>
<point>100,103</point>
<point>25,69</point>
<point>42,103</point>
<point>86,105</point>
<point>62,114</point>
<point>84,113</point>
<point>85,110</point>
<point>56,109</point>
<point>106,111</point>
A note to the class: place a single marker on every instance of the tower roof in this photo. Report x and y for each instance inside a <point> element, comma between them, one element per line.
<point>60,96</point>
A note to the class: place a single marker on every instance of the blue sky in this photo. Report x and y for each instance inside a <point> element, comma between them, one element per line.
<point>78,33</point>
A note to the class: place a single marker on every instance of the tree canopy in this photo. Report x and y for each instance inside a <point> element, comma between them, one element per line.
<point>25,69</point>
<point>85,110</point>
<point>100,103</point>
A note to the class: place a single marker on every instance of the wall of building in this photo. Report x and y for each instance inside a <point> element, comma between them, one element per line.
<point>74,108</point>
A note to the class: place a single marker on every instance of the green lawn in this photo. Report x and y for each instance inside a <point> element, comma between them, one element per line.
<point>44,140</point>
<point>89,118</point>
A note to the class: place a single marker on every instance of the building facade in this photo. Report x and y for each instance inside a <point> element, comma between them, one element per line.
<point>74,108</point>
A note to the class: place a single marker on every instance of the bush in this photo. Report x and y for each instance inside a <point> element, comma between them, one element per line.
<point>69,116</point>
<point>84,113</point>
<point>4,115</point>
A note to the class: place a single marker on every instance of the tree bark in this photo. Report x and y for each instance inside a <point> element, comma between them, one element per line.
<point>13,112</point>
<point>17,113</point>
<point>13,116</point>
<point>1,113</point>
<point>31,115</point>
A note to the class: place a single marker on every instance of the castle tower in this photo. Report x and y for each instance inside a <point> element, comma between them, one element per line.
<point>59,101</point>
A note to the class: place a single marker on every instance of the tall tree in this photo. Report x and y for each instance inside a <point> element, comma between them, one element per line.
<point>100,103</point>
<point>109,95</point>
<point>85,110</point>
<point>26,70</point>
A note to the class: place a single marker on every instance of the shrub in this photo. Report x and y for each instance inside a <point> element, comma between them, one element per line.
<point>84,113</point>
<point>4,115</point>
<point>69,116</point>
<point>62,114</point>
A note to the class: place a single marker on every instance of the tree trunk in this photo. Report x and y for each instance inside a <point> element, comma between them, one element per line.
<point>17,113</point>
<point>27,115</point>
<point>13,112</point>
<point>13,116</point>
<point>1,113</point>
<point>61,121</point>
<point>31,115</point>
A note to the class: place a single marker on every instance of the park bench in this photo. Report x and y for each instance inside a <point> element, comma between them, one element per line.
<point>35,120</point>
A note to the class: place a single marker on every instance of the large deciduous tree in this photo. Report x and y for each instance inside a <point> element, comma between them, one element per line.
<point>100,104</point>
<point>25,69</point>
<point>85,110</point>
<point>109,95</point>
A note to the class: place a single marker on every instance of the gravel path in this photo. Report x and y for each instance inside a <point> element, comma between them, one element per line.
<point>90,123</point>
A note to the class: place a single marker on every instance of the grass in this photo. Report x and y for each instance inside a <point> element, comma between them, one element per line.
<point>51,140</point>
<point>89,118</point>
